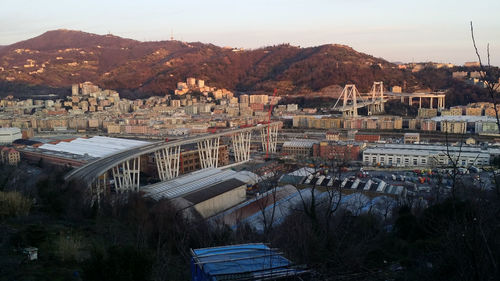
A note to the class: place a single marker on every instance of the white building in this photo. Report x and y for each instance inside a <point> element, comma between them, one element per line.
<point>292,107</point>
<point>8,135</point>
<point>409,155</point>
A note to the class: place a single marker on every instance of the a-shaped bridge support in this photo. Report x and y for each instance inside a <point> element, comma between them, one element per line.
<point>269,138</point>
<point>126,175</point>
<point>241,146</point>
<point>98,189</point>
<point>208,150</point>
<point>167,162</point>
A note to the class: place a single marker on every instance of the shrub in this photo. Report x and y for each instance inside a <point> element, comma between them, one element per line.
<point>68,248</point>
<point>13,204</point>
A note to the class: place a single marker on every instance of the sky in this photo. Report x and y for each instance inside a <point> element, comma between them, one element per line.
<point>396,30</point>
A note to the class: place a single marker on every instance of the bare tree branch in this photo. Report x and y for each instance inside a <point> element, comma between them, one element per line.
<point>484,75</point>
<point>488,53</point>
<point>474,43</point>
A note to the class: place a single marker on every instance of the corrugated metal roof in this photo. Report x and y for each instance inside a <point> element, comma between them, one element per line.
<point>96,146</point>
<point>246,261</point>
<point>463,148</point>
<point>304,172</point>
<point>419,152</point>
<point>464,118</point>
<point>204,194</point>
<point>299,143</point>
<point>194,181</point>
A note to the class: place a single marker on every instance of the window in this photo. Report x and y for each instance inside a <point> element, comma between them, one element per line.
<point>398,160</point>
<point>415,162</point>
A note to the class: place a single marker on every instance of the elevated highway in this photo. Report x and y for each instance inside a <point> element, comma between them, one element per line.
<point>351,100</point>
<point>124,166</point>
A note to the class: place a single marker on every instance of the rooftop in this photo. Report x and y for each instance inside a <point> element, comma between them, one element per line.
<point>299,143</point>
<point>465,118</point>
<point>245,262</point>
<point>206,193</point>
<point>94,147</point>
<point>194,181</point>
<point>10,130</point>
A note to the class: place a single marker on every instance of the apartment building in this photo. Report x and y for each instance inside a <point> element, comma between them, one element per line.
<point>453,127</point>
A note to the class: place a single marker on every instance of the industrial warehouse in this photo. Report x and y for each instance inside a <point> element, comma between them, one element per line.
<point>208,191</point>
<point>73,152</point>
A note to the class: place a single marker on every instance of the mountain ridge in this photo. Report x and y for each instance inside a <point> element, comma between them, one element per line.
<point>61,57</point>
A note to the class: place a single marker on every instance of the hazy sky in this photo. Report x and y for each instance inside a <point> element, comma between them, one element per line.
<point>397,30</point>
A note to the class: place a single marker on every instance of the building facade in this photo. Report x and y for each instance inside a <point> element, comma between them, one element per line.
<point>425,156</point>
<point>8,135</point>
<point>298,147</point>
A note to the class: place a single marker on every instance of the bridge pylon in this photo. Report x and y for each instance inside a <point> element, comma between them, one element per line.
<point>98,189</point>
<point>378,99</point>
<point>349,93</point>
<point>167,162</point>
<point>241,146</point>
<point>208,149</point>
<point>269,138</point>
<point>126,175</point>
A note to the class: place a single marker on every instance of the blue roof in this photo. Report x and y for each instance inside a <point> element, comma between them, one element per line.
<point>239,261</point>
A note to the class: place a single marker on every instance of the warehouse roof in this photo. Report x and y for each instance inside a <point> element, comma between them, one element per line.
<point>245,262</point>
<point>10,131</point>
<point>299,143</point>
<point>204,194</point>
<point>191,182</point>
<point>463,148</point>
<point>464,118</point>
<point>304,171</point>
<point>418,152</point>
<point>95,147</point>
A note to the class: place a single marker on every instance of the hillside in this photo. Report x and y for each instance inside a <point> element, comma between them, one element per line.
<point>61,57</point>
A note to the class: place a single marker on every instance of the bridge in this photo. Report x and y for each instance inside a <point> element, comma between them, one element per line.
<point>124,167</point>
<point>439,97</point>
<point>352,100</point>
<point>374,100</point>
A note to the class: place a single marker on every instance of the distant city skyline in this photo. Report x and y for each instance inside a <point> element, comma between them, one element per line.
<point>395,30</point>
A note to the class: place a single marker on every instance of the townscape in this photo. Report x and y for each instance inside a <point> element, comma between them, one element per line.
<point>171,160</point>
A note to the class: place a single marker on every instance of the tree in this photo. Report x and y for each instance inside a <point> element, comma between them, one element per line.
<point>124,263</point>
